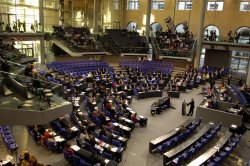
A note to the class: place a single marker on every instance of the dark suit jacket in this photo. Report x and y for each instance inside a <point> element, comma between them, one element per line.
<point>191,104</point>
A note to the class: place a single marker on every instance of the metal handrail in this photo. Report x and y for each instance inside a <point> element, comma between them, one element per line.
<point>22,76</point>
<point>17,64</point>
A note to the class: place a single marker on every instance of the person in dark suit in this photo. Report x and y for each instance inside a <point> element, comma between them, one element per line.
<point>191,109</point>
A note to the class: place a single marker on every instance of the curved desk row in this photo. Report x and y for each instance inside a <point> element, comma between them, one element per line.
<point>159,103</point>
<point>91,157</point>
<point>170,155</point>
<point>158,141</point>
<point>149,94</point>
<point>212,151</point>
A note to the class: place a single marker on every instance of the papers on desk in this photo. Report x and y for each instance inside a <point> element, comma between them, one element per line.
<point>233,126</point>
<point>107,118</point>
<point>76,104</point>
<point>59,139</point>
<point>74,129</point>
<point>75,147</point>
<point>114,149</point>
<point>76,98</point>
<point>106,145</point>
<point>7,159</point>
<point>116,124</point>
<point>234,110</point>
<point>106,161</point>
<point>141,117</point>
<point>129,109</point>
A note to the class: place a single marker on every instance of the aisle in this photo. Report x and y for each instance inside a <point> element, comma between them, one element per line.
<point>137,151</point>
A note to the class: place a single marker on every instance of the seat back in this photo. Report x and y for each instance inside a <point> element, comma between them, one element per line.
<point>107,156</point>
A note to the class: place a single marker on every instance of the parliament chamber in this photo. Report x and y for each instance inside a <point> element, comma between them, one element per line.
<point>124,82</point>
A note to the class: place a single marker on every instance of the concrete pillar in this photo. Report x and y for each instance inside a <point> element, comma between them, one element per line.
<point>95,21</point>
<point>248,76</point>
<point>149,7</point>
<point>42,50</point>
<point>41,16</point>
<point>41,29</point>
<point>200,33</point>
<point>72,14</point>
<point>85,13</point>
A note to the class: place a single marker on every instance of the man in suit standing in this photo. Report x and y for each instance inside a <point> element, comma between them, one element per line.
<point>191,109</point>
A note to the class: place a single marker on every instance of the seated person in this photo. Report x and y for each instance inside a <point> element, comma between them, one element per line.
<point>51,140</point>
<point>91,128</point>
<point>102,118</point>
<point>47,134</point>
<point>135,119</point>
<point>68,149</point>
<point>27,159</point>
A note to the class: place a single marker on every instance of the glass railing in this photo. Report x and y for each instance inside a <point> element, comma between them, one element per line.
<point>98,47</point>
<point>135,50</point>
<point>31,93</point>
<point>174,53</point>
<point>15,55</point>
<point>227,39</point>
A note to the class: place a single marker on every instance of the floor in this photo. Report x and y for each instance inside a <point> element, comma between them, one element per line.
<point>136,153</point>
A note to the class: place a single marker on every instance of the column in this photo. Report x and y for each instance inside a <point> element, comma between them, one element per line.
<point>42,50</point>
<point>85,14</point>
<point>200,33</point>
<point>95,21</point>
<point>248,76</point>
<point>149,6</point>
<point>41,21</point>
<point>41,16</point>
<point>72,14</point>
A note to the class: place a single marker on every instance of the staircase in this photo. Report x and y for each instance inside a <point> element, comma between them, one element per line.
<point>115,48</point>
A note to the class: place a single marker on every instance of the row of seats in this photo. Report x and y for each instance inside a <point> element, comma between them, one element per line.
<point>148,65</point>
<point>62,130</point>
<point>226,150</point>
<point>241,97</point>
<point>80,68</point>
<point>178,138</point>
<point>197,146</point>
<point>87,146</point>
<point>75,160</point>
<point>209,69</point>
<point>8,138</point>
<point>40,139</point>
